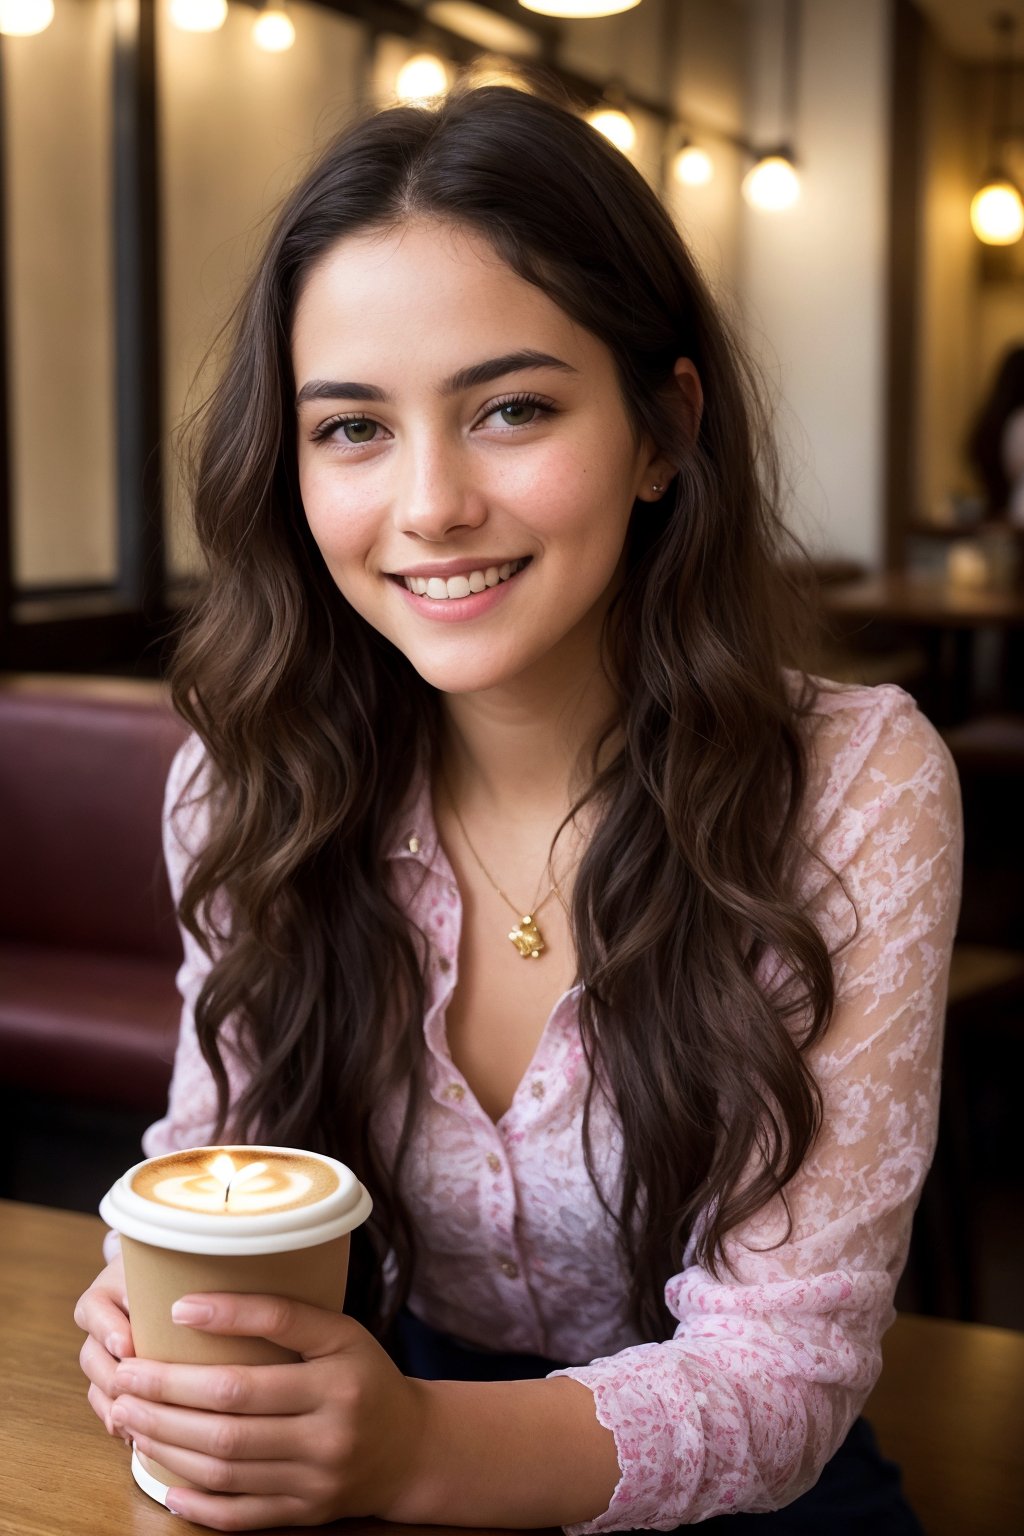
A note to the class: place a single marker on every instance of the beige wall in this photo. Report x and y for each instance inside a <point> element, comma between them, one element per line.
<point>60,298</point>
<point>814,276</point>
<point>237,129</point>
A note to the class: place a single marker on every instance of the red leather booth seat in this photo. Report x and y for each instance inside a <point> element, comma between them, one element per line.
<point>88,942</point>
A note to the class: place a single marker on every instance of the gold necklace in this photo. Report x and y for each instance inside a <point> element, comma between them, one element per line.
<point>526,936</point>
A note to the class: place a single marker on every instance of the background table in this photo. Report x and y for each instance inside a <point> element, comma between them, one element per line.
<point>950,1407</point>
<point>947,619</point>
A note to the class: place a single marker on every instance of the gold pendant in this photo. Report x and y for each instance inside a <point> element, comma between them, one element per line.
<point>527,938</point>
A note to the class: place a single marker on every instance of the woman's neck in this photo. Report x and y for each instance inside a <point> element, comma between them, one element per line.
<point>524,753</point>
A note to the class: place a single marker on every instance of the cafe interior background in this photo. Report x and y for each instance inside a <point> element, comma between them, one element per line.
<point>144,144</point>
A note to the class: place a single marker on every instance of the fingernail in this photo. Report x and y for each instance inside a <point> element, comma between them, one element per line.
<point>191,1312</point>
<point>115,1345</point>
<point>172,1507</point>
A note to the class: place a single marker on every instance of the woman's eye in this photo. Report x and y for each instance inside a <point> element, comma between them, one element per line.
<point>358,430</point>
<point>518,413</point>
<point>522,411</point>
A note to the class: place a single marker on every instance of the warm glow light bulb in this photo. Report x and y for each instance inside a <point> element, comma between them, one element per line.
<point>199,15</point>
<point>692,166</point>
<point>616,126</point>
<point>421,78</point>
<point>997,214</point>
<point>578,10</point>
<point>24,18</point>
<point>772,184</point>
<point>273,31</point>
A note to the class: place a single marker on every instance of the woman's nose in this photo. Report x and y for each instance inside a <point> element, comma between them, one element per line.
<point>437,493</point>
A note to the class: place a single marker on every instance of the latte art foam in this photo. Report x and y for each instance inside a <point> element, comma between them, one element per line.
<point>199,1181</point>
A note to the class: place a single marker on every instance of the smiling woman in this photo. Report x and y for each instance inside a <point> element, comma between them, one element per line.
<point>496,663</point>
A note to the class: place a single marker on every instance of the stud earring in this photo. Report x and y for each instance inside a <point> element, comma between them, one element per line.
<point>656,488</point>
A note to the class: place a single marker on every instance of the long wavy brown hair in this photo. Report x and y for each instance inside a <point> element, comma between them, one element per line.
<point>311,723</point>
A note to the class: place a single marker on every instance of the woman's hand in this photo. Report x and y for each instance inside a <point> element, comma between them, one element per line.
<point>103,1312</point>
<point>336,1434</point>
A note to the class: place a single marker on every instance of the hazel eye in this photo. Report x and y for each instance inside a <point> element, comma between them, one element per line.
<point>518,413</point>
<point>359,430</point>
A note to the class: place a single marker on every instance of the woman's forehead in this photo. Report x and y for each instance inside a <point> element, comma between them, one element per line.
<point>424,286</point>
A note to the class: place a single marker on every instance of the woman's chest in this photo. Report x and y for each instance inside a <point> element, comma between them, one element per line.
<point>501,1002</point>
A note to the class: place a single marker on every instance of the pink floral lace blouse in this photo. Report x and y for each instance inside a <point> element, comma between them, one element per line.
<point>765,1370</point>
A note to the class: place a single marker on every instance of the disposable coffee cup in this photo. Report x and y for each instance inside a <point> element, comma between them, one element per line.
<point>271,1220</point>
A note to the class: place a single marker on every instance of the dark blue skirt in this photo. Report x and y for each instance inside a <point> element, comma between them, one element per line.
<point>857,1494</point>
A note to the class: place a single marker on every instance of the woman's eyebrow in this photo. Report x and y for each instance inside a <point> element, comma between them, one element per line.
<point>470,377</point>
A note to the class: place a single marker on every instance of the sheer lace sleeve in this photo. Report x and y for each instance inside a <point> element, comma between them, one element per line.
<point>192,1105</point>
<point>767,1368</point>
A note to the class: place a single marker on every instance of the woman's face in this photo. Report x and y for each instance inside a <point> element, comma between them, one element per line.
<point>466,463</point>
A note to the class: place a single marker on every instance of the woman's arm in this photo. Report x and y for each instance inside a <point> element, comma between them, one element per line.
<point>769,1366</point>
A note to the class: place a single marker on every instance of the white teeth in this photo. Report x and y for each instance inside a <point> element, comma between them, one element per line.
<point>462,586</point>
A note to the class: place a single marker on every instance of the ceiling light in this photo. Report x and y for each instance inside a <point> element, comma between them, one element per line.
<point>997,214</point>
<point>618,127</point>
<point>273,30</point>
<point>24,18</point>
<point>692,166</point>
<point>578,10</point>
<point>199,15</point>
<point>421,78</point>
<point>773,184</point>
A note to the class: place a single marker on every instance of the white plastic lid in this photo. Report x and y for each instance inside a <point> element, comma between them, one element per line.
<point>303,1226</point>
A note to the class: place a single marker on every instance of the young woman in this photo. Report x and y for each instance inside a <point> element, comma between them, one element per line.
<point>518,869</point>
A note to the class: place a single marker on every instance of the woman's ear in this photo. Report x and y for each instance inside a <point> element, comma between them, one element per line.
<point>688,383</point>
<point>690,405</point>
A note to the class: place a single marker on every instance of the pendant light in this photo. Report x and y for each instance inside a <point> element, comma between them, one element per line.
<point>423,78</point>
<point>273,31</point>
<point>773,184</point>
<point>617,126</point>
<point>199,15</point>
<point>24,18</point>
<point>578,10</point>
<point>692,165</point>
<point>997,213</point>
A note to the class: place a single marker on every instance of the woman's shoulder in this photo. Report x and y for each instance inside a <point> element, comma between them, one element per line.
<point>867,748</point>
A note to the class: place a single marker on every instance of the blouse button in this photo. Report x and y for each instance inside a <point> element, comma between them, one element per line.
<point>413,844</point>
<point>444,965</point>
<point>537,1089</point>
<point>508,1269</point>
<point>494,1162</point>
<point>456,1091</point>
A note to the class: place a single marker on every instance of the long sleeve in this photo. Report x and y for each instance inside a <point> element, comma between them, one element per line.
<point>769,1366</point>
<point>192,1103</point>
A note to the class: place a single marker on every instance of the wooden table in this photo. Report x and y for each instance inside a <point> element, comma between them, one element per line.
<point>949,1407</point>
<point>947,619</point>
<point>60,1472</point>
<point>926,600</point>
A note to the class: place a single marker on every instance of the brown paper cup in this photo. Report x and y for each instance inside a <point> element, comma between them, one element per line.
<point>155,1278</point>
